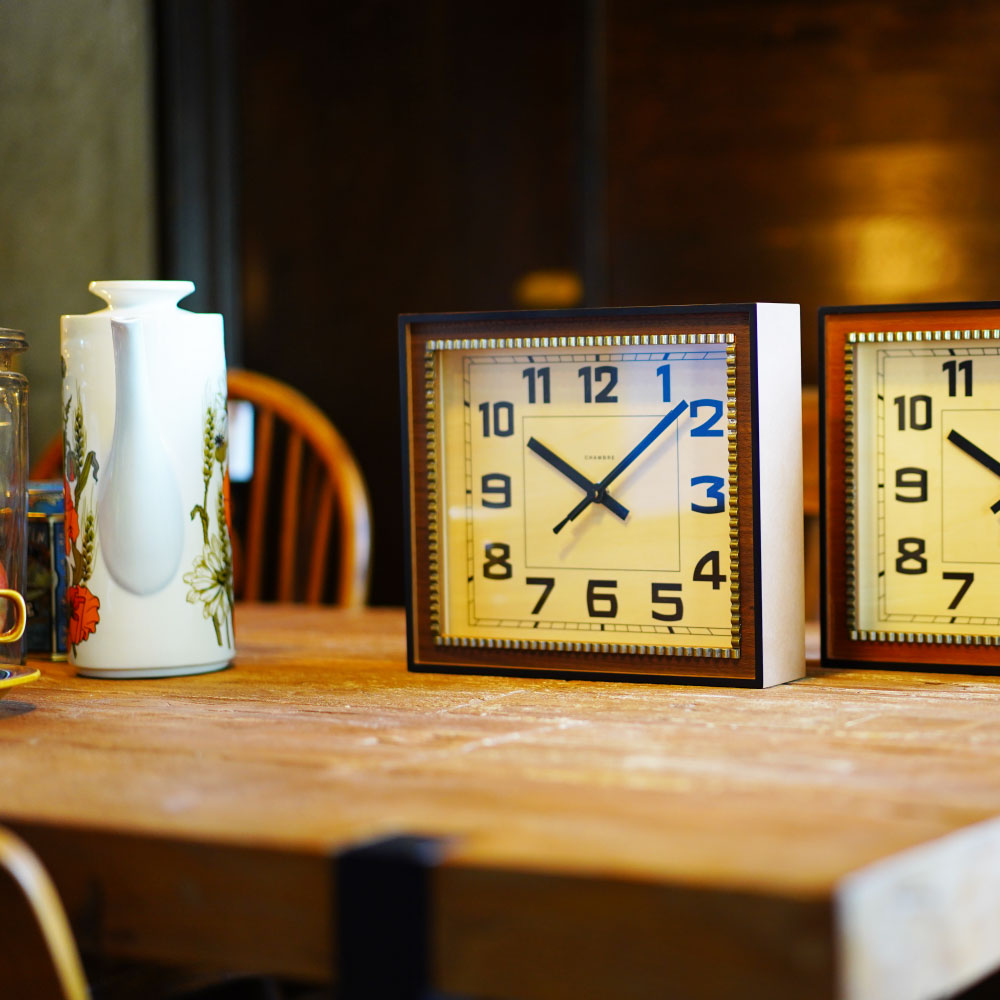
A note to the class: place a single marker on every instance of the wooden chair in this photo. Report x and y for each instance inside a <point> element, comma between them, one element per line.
<point>38,956</point>
<point>284,556</point>
<point>320,484</point>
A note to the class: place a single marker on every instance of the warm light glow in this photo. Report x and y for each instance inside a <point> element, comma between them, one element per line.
<point>898,258</point>
<point>908,222</point>
<point>554,288</point>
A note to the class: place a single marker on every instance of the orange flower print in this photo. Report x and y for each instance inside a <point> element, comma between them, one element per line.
<point>72,522</point>
<point>83,613</point>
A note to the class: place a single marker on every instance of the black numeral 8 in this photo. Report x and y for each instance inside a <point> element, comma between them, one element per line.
<point>497,565</point>
<point>911,556</point>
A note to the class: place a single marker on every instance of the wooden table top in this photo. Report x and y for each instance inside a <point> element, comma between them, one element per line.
<point>834,837</point>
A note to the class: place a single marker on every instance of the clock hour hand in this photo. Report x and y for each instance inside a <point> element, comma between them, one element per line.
<point>577,477</point>
<point>988,461</point>
<point>601,487</point>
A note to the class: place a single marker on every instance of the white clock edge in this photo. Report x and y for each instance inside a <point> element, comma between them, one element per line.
<point>781,617</point>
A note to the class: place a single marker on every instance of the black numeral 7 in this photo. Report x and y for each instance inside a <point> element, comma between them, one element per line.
<point>966,579</point>
<point>548,582</point>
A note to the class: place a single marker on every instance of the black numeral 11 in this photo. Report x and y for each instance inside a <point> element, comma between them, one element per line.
<point>953,368</point>
<point>541,376</point>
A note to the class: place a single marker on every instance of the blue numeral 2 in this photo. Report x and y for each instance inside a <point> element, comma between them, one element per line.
<point>705,430</point>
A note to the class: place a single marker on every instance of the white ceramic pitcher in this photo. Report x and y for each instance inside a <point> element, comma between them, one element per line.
<point>148,552</point>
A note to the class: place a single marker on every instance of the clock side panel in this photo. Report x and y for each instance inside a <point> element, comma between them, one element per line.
<point>427,654</point>
<point>845,417</point>
<point>778,477</point>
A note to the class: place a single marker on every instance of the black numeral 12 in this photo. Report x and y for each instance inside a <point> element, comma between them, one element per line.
<point>601,373</point>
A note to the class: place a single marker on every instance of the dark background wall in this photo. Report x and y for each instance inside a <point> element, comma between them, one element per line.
<point>388,156</point>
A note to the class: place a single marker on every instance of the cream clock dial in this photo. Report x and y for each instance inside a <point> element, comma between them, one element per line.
<point>611,493</point>
<point>927,509</point>
<point>589,498</point>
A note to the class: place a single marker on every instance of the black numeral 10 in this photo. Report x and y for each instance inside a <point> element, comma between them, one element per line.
<point>918,410</point>
<point>499,418</point>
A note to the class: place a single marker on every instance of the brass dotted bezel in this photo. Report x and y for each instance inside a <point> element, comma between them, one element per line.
<point>431,389</point>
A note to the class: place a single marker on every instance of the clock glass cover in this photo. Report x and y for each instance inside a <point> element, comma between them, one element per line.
<point>926,558</point>
<point>585,493</point>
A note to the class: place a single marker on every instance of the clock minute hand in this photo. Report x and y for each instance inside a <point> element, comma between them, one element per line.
<point>644,444</point>
<point>622,465</point>
<point>577,477</point>
<point>988,461</point>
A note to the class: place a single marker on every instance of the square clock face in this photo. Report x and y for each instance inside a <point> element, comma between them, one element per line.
<point>589,495</point>
<point>913,486</point>
<point>582,494</point>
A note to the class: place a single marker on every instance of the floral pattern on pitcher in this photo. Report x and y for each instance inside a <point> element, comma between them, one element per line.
<point>81,467</point>
<point>211,576</point>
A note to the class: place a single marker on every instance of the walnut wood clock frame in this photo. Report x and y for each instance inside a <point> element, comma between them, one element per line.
<point>766,560</point>
<point>841,329</point>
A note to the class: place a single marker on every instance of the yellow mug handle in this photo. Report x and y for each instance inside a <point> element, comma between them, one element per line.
<point>17,629</point>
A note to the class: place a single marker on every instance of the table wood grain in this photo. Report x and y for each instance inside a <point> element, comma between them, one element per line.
<point>834,837</point>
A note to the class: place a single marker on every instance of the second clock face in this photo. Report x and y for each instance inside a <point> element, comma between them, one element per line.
<point>926,559</point>
<point>586,495</point>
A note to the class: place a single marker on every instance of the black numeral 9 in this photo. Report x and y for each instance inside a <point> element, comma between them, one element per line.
<point>496,484</point>
<point>911,478</point>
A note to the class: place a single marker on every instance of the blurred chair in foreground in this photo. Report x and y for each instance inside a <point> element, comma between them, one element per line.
<point>38,956</point>
<point>285,516</point>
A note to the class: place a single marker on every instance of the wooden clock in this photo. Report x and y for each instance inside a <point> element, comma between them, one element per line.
<point>911,486</point>
<point>612,493</point>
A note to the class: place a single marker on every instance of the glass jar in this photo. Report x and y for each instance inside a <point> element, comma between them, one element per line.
<point>13,485</point>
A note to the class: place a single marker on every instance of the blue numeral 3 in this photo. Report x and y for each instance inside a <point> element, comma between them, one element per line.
<point>713,492</point>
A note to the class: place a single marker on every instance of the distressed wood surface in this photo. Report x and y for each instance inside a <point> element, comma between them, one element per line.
<point>831,837</point>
